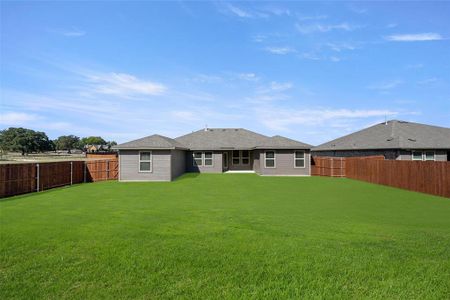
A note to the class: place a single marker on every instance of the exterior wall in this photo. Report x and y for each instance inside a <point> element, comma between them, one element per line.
<point>215,168</point>
<point>178,163</point>
<point>440,155</point>
<point>129,166</point>
<point>388,154</point>
<point>232,167</point>
<point>284,163</point>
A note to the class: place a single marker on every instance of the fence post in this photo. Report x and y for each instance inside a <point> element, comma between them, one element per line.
<point>342,169</point>
<point>332,166</point>
<point>107,169</point>
<point>71,172</point>
<point>84,179</point>
<point>37,177</point>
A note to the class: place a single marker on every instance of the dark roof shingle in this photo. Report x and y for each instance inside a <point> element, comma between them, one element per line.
<point>392,135</point>
<point>152,142</point>
<point>235,138</point>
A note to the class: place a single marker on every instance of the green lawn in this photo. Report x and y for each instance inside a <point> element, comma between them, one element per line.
<point>226,236</point>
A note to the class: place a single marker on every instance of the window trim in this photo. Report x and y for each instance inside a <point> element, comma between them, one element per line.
<point>203,158</point>
<point>212,159</point>
<point>274,159</point>
<point>304,159</point>
<point>416,151</point>
<point>425,155</point>
<point>241,158</point>
<point>150,161</point>
<point>235,157</point>
<point>194,164</point>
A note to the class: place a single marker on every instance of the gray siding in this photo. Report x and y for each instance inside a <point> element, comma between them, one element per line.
<point>215,168</point>
<point>284,163</point>
<point>239,167</point>
<point>440,155</point>
<point>388,154</point>
<point>129,166</point>
<point>178,163</point>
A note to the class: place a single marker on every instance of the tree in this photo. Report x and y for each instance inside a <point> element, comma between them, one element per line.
<point>92,140</point>
<point>24,140</point>
<point>67,142</point>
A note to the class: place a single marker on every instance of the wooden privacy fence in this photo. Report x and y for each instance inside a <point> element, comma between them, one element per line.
<point>431,177</point>
<point>328,166</point>
<point>24,178</point>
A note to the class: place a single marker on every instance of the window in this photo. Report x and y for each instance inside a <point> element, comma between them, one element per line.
<point>299,159</point>
<point>145,161</point>
<point>236,157</point>
<point>208,159</point>
<point>202,159</point>
<point>417,155</point>
<point>245,157</point>
<point>197,161</point>
<point>241,157</point>
<point>429,155</point>
<point>269,159</point>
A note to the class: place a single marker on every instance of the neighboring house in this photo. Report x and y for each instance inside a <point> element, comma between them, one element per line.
<point>394,139</point>
<point>97,148</point>
<point>211,150</point>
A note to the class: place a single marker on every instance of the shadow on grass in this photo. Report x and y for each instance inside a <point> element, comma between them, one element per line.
<point>186,177</point>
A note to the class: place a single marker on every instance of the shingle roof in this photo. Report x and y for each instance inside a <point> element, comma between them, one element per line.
<point>392,135</point>
<point>235,138</point>
<point>281,142</point>
<point>151,142</point>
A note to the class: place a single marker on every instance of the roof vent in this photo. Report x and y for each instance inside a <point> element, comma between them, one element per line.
<point>236,129</point>
<point>390,139</point>
<point>412,140</point>
<point>206,127</point>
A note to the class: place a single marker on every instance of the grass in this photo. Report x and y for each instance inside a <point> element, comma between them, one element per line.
<point>226,236</point>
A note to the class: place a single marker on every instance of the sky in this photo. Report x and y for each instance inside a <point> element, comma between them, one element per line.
<point>310,71</point>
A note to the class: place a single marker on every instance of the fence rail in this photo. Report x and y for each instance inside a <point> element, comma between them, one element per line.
<point>24,178</point>
<point>431,177</point>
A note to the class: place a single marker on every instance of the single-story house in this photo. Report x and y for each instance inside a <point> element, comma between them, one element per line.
<point>212,150</point>
<point>393,139</point>
<point>97,148</point>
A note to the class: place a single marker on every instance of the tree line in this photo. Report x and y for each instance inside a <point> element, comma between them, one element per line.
<point>29,141</point>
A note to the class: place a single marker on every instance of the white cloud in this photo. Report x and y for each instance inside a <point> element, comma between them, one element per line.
<point>309,18</point>
<point>310,56</point>
<point>280,50</point>
<point>335,59</point>
<point>338,47</point>
<point>428,81</point>
<point>73,32</point>
<point>277,11</point>
<point>283,119</point>
<point>248,76</point>
<point>391,25</point>
<point>312,28</point>
<point>358,10</point>
<point>280,86</point>
<point>123,85</point>
<point>386,85</point>
<point>259,38</point>
<point>238,11</point>
<point>17,118</point>
<point>205,78</point>
<point>416,37</point>
<point>185,116</point>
